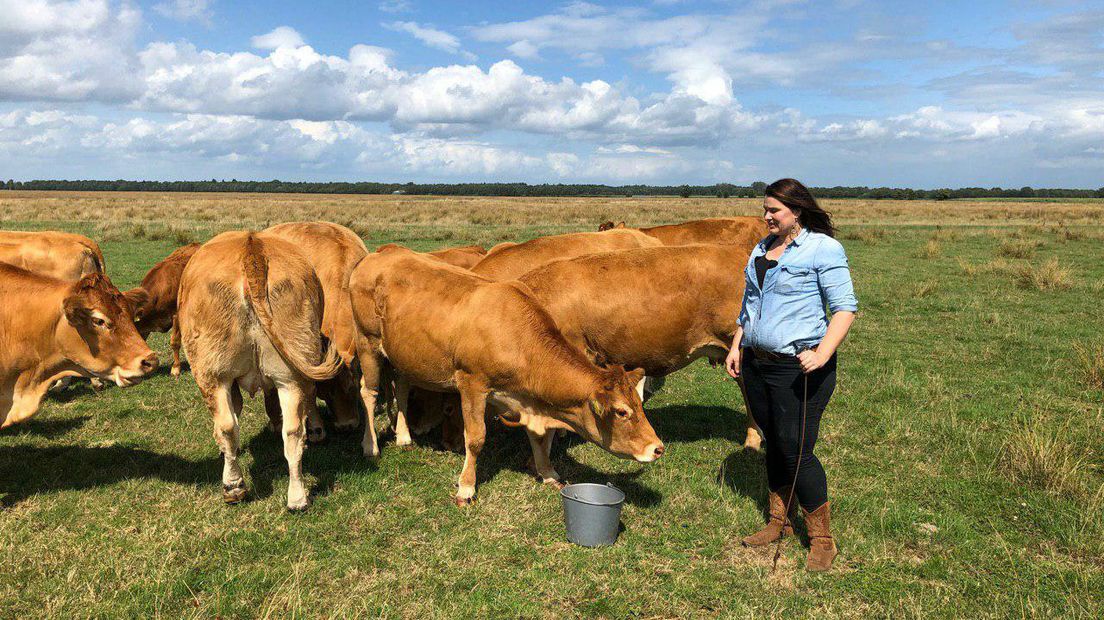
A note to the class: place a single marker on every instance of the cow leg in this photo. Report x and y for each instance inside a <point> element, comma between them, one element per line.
<point>295,401</point>
<point>473,402</point>
<point>541,446</point>
<point>272,408</point>
<point>316,430</point>
<point>174,344</point>
<point>369,392</point>
<point>21,406</point>
<point>754,438</point>
<point>402,401</point>
<point>224,415</point>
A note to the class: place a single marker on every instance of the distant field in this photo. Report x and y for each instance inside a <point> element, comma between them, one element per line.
<point>963,446</point>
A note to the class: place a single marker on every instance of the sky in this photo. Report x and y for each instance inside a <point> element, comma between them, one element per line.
<point>834,92</point>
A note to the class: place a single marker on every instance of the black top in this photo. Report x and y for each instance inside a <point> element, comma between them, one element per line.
<point>762,265</point>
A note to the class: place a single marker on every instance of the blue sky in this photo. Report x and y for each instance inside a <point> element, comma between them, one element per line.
<point>668,92</point>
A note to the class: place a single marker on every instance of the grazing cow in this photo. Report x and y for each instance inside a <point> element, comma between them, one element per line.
<point>52,328</point>
<point>743,231</point>
<point>332,250</point>
<point>250,318</point>
<point>658,309</point>
<point>159,287</point>
<point>62,255</point>
<point>442,328</point>
<point>507,263</point>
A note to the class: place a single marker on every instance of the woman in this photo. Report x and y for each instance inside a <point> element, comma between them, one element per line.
<point>785,350</point>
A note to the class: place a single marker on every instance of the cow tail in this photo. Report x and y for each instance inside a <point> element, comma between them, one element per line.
<point>255,267</point>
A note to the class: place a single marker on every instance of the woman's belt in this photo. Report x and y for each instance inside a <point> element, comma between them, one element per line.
<point>772,355</point>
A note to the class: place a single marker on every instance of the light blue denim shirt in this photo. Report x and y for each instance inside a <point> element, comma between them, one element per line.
<point>788,313</point>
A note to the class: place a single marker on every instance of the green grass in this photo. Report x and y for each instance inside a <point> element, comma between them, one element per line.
<point>962,447</point>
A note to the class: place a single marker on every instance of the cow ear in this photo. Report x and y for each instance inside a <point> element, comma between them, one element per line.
<point>635,375</point>
<point>605,226</point>
<point>138,299</point>
<point>596,407</point>
<point>75,311</point>
<point>620,224</point>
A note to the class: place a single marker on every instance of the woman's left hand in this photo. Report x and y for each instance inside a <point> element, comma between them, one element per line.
<point>811,360</point>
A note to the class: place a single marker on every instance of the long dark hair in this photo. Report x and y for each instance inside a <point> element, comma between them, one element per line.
<point>799,199</point>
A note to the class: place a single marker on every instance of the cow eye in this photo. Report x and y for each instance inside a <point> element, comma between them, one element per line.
<point>622,413</point>
<point>98,322</point>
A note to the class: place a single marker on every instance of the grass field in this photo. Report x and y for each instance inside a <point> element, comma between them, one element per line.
<point>963,447</point>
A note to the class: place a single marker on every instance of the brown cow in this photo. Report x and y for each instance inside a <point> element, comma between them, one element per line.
<point>52,328</point>
<point>158,312</point>
<point>743,231</point>
<point>658,309</point>
<point>62,255</point>
<point>443,328</point>
<point>465,256</point>
<point>250,316</point>
<point>332,250</point>
<point>507,263</point>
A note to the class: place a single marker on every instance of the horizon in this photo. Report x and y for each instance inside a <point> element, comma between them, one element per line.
<point>994,94</point>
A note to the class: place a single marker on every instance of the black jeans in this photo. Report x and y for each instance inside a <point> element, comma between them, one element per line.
<point>775,389</point>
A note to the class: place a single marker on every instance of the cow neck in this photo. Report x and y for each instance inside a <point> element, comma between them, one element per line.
<point>560,375</point>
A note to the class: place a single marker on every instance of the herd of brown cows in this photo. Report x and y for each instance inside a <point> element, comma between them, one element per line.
<point>554,334</point>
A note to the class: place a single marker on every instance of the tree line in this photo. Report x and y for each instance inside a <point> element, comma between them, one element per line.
<point>720,190</point>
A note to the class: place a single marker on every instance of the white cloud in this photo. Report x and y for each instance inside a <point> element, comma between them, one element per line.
<point>524,49</point>
<point>282,36</point>
<point>396,6</point>
<point>432,37</point>
<point>186,10</point>
<point>67,50</point>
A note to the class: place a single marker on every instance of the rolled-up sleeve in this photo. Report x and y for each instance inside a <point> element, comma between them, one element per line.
<point>834,278</point>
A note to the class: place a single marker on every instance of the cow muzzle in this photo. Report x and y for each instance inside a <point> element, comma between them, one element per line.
<point>651,453</point>
<point>143,368</point>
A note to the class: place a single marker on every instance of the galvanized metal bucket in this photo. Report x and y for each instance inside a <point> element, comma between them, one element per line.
<point>592,513</point>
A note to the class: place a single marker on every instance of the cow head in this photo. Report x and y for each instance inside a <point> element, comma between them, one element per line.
<point>609,225</point>
<point>98,333</point>
<point>613,417</point>
<point>141,310</point>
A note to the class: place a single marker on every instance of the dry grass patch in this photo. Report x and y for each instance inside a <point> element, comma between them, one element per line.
<point>966,268</point>
<point>1091,359</point>
<point>1019,248</point>
<point>925,289</point>
<point>1046,460</point>
<point>1049,276</point>
<point>869,236</point>
<point>932,249</point>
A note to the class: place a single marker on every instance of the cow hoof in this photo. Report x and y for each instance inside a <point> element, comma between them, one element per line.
<point>175,372</point>
<point>556,484</point>
<point>463,502</point>
<point>98,385</point>
<point>298,508</point>
<point>233,495</point>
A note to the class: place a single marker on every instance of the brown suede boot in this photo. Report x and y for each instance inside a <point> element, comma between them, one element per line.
<point>778,524</point>
<point>822,547</point>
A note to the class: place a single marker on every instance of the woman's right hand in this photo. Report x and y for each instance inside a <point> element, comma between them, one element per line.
<point>732,362</point>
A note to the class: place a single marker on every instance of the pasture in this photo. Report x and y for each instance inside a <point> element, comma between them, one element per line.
<point>963,446</point>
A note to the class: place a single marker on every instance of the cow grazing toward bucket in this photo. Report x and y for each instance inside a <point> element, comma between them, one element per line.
<point>442,328</point>
<point>509,262</point>
<point>250,318</point>
<point>332,250</point>
<point>658,309</point>
<point>62,255</point>
<point>156,312</point>
<point>51,328</point>
<point>743,231</point>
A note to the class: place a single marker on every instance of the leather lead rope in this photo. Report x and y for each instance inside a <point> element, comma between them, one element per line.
<point>793,483</point>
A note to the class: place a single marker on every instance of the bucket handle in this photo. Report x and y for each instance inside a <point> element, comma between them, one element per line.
<point>610,485</point>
